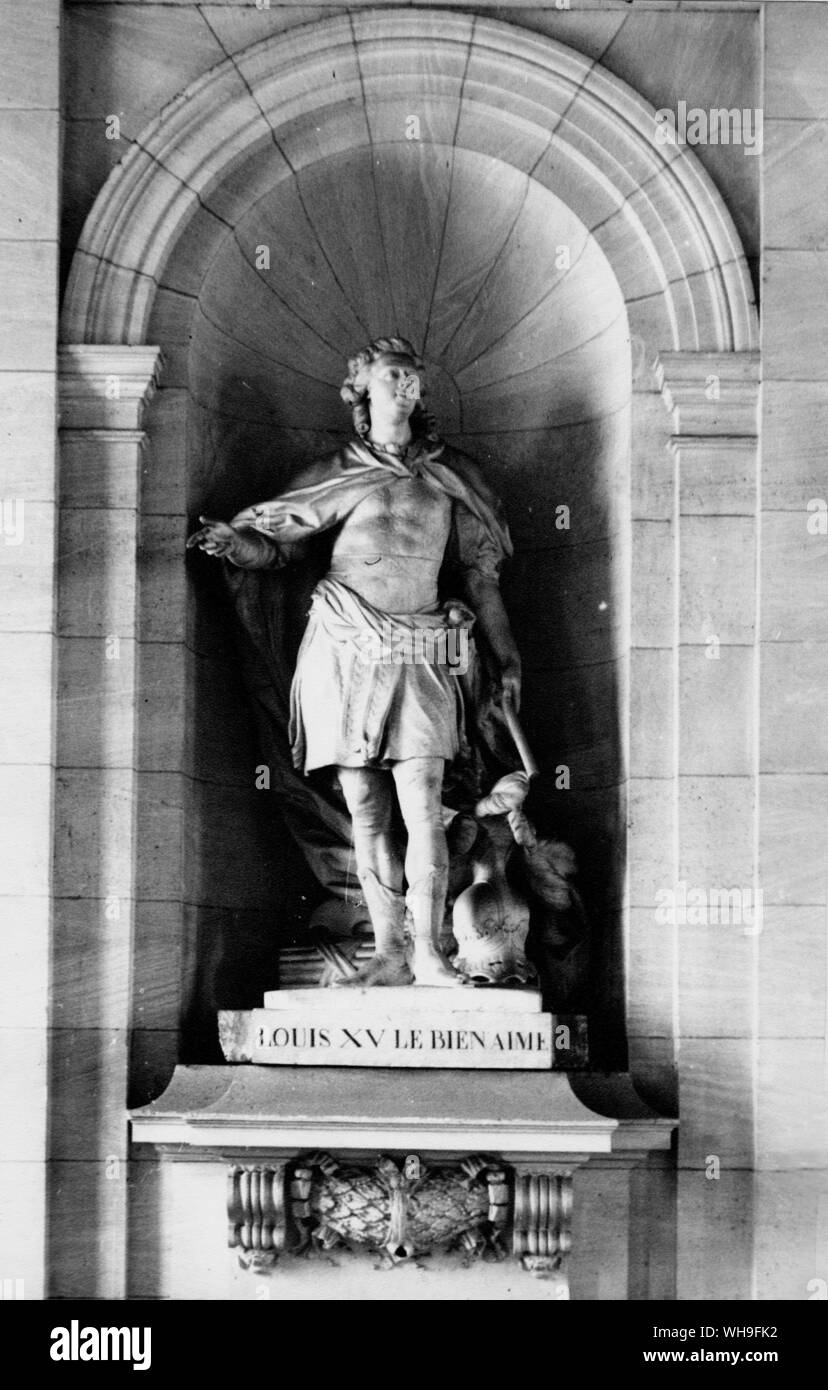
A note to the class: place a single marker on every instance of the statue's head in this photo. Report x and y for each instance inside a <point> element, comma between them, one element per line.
<point>388,370</point>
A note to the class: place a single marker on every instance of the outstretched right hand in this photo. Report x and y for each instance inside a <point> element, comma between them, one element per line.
<point>215,537</point>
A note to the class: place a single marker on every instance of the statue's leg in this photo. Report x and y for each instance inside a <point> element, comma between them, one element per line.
<point>368,795</point>
<point>419,783</point>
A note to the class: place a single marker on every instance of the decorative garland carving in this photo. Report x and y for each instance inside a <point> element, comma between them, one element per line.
<point>401,1208</point>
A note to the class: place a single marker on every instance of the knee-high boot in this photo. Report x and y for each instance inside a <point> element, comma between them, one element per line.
<point>388,965</point>
<point>426,901</point>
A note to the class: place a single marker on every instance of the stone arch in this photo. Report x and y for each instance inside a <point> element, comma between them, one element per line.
<point>534,103</point>
<point>571,141</point>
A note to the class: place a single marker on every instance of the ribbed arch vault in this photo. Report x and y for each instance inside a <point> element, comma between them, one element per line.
<point>270,113</point>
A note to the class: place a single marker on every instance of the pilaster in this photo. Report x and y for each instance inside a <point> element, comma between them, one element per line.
<point>103,392</point>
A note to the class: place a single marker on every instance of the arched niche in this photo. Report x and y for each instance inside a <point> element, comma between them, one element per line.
<point>528,101</point>
<point>500,199</point>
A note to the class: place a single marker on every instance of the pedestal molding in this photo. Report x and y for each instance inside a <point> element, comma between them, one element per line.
<point>215,1110</point>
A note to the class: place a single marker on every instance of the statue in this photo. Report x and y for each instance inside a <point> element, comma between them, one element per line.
<point>377,693</point>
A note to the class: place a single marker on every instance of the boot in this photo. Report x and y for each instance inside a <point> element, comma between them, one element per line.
<point>388,965</point>
<point>426,900</point>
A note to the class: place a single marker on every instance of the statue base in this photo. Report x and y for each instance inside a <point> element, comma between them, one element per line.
<point>411,1026</point>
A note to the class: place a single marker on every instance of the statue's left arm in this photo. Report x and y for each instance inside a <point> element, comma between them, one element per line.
<point>478,555</point>
<point>484,596</point>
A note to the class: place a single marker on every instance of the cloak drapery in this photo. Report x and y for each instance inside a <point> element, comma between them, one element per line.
<point>328,491</point>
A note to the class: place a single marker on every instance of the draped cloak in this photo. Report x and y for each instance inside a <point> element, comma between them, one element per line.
<point>409,699</point>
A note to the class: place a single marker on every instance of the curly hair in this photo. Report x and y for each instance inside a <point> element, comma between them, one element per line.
<point>354,390</point>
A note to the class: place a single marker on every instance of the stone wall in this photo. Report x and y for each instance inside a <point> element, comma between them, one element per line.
<point>788,1065</point>
<point>730,752</point>
<point>29,199</point>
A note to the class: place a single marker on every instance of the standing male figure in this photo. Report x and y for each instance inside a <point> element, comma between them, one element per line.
<point>400,504</point>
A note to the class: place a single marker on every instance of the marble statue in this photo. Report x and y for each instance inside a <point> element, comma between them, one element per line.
<point>377,693</point>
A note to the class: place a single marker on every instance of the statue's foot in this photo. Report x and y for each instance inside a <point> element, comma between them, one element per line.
<point>379,970</point>
<point>431,969</point>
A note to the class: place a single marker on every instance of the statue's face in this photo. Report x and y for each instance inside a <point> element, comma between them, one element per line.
<point>393,382</point>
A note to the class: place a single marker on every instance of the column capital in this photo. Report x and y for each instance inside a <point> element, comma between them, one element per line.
<point>716,473</point>
<point>106,386</point>
<point>710,393</point>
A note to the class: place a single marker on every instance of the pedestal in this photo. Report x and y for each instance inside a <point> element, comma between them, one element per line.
<point>398,1163</point>
<point>463,1028</point>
